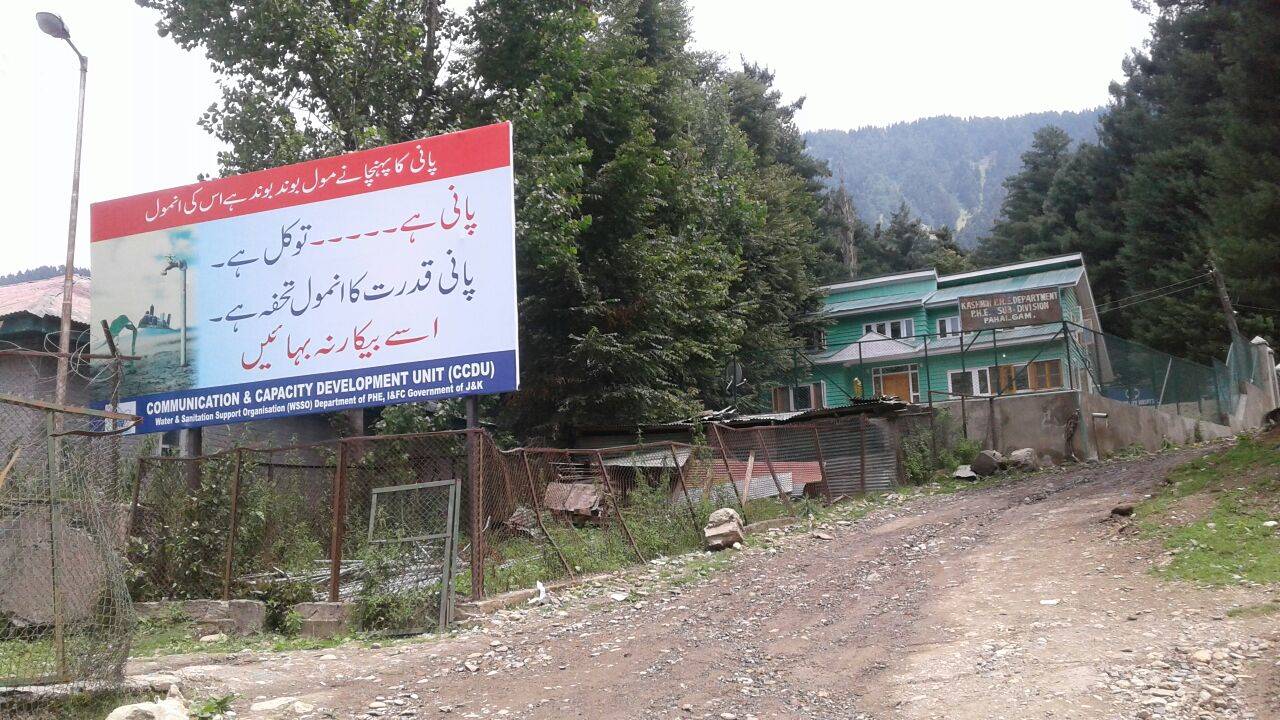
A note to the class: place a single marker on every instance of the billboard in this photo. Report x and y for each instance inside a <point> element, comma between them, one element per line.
<point>1002,310</point>
<point>378,277</point>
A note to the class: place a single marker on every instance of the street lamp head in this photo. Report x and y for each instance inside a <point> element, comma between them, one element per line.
<point>52,25</point>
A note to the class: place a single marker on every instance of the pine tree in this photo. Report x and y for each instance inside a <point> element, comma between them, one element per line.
<point>1024,228</point>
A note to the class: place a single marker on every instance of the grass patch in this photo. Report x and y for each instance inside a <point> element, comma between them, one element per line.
<point>1228,543</point>
<point>83,706</point>
<point>1254,611</point>
<point>168,636</point>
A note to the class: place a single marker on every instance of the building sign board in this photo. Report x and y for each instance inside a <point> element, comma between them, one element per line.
<point>1002,310</point>
<point>377,277</point>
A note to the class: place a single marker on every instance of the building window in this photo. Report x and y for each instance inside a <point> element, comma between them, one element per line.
<point>818,340</point>
<point>949,326</point>
<point>900,381</point>
<point>1039,375</point>
<point>811,396</point>
<point>891,328</point>
<point>970,382</point>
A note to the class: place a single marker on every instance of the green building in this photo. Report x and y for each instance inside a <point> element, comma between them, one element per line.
<point>901,335</point>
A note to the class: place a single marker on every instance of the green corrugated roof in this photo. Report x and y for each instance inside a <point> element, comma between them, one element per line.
<point>1048,278</point>
<point>845,306</point>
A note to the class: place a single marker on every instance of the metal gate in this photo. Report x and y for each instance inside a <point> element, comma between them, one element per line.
<point>412,541</point>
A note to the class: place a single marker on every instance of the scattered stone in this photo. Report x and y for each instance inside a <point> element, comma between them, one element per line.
<point>723,529</point>
<point>272,705</point>
<point>988,462</point>
<point>172,707</point>
<point>1023,459</point>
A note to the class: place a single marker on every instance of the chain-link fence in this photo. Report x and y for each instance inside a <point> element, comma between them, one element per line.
<point>65,613</point>
<point>1132,373</point>
<point>368,520</point>
<point>400,525</point>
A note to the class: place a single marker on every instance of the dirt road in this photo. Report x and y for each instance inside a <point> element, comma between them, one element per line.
<point>1010,602</point>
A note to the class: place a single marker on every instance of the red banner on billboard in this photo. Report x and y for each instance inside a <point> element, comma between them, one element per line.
<point>391,166</point>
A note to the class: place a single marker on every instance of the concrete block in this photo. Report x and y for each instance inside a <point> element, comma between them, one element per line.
<point>249,616</point>
<point>324,619</point>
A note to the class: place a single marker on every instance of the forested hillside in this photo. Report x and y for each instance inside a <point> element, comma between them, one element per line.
<point>948,170</point>
<point>1186,168</point>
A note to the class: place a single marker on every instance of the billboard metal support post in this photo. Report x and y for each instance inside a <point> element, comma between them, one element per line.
<point>475,499</point>
<point>227,569</point>
<point>339,521</point>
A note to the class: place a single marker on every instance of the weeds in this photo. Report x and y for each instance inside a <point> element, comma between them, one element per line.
<point>1230,543</point>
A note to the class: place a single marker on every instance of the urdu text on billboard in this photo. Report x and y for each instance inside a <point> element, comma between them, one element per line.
<point>378,277</point>
<point>1011,309</point>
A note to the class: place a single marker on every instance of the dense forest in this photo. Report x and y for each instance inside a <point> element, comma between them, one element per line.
<point>950,171</point>
<point>1186,168</point>
<point>668,218</point>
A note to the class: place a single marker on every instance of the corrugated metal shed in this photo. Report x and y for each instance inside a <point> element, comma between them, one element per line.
<point>43,299</point>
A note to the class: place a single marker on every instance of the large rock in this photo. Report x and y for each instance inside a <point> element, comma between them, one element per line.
<point>173,707</point>
<point>988,462</point>
<point>724,528</point>
<point>1024,459</point>
<point>324,619</point>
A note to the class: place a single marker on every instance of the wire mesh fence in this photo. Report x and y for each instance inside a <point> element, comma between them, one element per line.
<point>65,613</point>
<point>1132,373</point>
<point>401,525</point>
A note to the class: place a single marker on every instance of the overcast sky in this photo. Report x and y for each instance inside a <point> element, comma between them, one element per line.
<point>858,62</point>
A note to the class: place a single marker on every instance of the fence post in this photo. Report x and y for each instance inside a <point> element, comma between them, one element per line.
<point>339,500</point>
<point>995,356</point>
<point>693,515</point>
<point>537,511</point>
<point>862,453</point>
<point>724,455</point>
<point>1071,370</point>
<point>235,524</point>
<point>133,502</point>
<point>933,428</point>
<point>768,460</point>
<point>822,464</point>
<point>617,509</point>
<point>53,469</point>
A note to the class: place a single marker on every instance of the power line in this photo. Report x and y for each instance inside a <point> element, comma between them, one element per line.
<point>1137,295</point>
<point>1256,307</point>
<point>1153,297</point>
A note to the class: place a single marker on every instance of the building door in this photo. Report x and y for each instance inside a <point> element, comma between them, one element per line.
<point>898,384</point>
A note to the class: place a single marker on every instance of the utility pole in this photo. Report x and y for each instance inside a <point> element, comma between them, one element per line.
<point>1224,299</point>
<point>53,26</point>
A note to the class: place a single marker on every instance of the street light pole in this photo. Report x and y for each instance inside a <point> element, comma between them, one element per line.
<point>53,26</point>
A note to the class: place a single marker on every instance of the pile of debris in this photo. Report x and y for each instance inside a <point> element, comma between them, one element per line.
<point>990,462</point>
